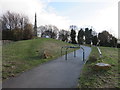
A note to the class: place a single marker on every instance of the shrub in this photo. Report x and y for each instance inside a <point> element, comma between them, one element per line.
<point>92,59</point>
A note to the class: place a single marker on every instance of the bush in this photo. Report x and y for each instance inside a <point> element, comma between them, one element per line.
<point>44,54</point>
<point>92,59</point>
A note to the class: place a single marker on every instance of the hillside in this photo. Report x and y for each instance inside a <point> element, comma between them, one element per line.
<point>23,55</point>
<point>90,78</point>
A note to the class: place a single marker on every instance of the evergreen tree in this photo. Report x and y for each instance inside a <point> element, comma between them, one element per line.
<point>80,36</point>
<point>94,40</point>
<point>106,39</point>
<point>73,36</point>
<point>113,42</point>
<point>88,36</point>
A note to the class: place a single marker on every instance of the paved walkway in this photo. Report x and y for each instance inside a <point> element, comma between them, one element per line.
<point>58,73</point>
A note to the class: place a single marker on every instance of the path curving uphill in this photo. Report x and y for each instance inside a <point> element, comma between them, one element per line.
<point>59,73</point>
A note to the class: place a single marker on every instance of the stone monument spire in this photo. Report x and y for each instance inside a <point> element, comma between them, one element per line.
<point>35,26</point>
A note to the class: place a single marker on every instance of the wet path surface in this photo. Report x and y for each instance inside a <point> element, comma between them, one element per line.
<point>59,73</point>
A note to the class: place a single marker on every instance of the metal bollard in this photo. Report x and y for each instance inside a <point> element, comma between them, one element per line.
<point>61,51</point>
<point>74,53</point>
<point>66,54</point>
<point>83,54</point>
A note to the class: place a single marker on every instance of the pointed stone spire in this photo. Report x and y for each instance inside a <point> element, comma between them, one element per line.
<point>35,26</point>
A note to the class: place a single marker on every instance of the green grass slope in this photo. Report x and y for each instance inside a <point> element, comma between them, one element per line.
<point>20,56</point>
<point>101,79</point>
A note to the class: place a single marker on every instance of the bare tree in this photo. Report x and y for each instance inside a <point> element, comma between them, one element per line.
<point>14,25</point>
<point>49,30</point>
<point>12,20</point>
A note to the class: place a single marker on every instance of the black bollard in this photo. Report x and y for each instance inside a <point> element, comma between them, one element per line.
<point>66,55</point>
<point>74,53</point>
<point>83,55</point>
<point>61,51</point>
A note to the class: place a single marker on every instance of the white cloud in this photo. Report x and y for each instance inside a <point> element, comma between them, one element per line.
<point>82,0</point>
<point>45,14</point>
<point>104,19</point>
<point>107,19</point>
<point>52,18</point>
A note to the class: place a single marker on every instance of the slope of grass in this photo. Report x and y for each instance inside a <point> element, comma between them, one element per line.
<point>101,79</point>
<point>0,63</point>
<point>23,55</point>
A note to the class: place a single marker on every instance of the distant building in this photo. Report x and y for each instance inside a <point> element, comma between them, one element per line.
<point>46,34</point>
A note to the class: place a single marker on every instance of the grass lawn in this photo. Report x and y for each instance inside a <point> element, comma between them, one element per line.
<point>90,78</point>
<point>20,56</point>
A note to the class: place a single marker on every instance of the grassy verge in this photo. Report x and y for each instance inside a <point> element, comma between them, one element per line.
<point>20,56</point>
<point>101,79</point>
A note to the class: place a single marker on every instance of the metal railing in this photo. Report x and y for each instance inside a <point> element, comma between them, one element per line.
<point>66,52</point>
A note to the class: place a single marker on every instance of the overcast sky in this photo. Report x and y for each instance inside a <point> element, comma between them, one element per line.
<point>100,14</point>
